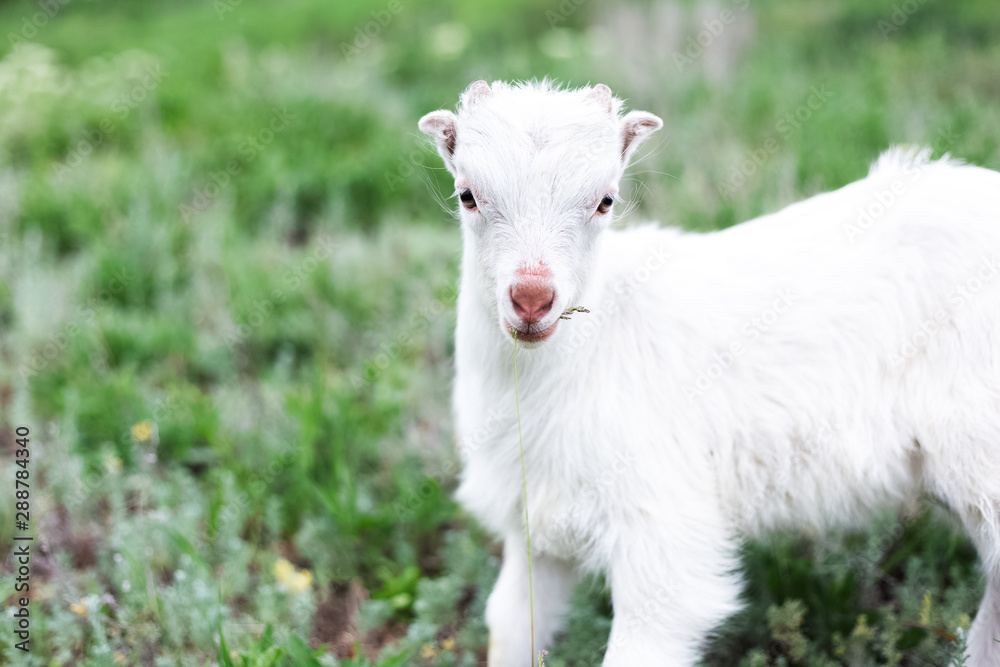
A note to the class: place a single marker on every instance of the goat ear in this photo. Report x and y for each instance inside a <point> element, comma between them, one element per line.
<point>636,127</point>
<point>443,126</point>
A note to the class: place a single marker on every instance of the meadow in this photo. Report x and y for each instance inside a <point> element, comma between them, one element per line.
<point>227,281</point>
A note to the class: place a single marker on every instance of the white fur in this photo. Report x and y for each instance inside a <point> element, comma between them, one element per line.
<point>801,369</point>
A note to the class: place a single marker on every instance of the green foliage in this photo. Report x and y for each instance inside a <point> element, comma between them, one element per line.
<point>785,623</point>
<point>227,295</point>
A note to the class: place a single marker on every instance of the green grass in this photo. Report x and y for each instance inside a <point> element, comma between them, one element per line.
<point>277,303</point>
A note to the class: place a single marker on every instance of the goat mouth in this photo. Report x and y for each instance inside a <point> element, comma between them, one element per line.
<point>531,333</point>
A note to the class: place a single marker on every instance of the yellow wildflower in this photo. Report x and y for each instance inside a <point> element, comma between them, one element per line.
<point>142,432</point>
<point>428,651</point>
<point>299,582</point>
<point>282,569</point>
<point>113,465</point>
<point>79,607</point>
<point>861,630</point>
<point>448,644</point>
<point>294,581</point>
<point>925,610</point>
<point>839,646</point>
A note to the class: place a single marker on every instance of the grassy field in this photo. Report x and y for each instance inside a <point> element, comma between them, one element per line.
<point>227,295</point>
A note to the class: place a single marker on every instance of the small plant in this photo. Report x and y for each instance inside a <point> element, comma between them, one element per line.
<point>524,482</point>
<point>568,313</point>
<point>785,623</point>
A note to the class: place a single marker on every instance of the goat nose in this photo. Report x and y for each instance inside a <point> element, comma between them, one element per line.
<point>532,300</point>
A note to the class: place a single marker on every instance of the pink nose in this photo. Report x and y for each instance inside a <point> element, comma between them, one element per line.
<point>532,300</point>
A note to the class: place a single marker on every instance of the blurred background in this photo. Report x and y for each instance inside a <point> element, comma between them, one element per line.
<point>227,291</point>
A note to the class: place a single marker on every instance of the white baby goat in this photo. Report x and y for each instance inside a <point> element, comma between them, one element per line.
<point>801,369</point>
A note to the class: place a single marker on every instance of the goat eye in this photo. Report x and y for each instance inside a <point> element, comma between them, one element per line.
<point>605,204</point>
<point>468,201</point>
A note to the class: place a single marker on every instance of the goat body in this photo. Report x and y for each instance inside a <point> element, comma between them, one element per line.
<point>799,370</point>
